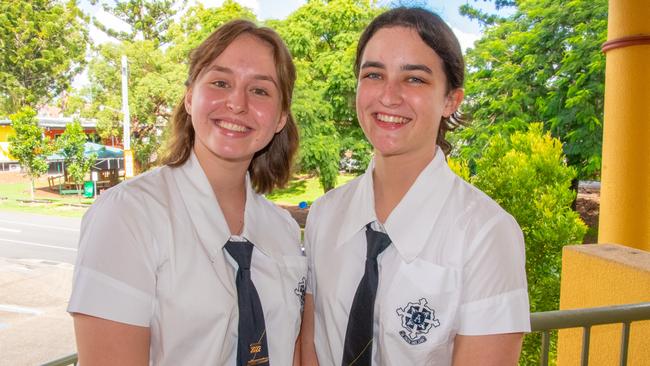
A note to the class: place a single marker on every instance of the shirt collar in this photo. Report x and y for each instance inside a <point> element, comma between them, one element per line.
<point>412,220</point>
<point>206,215</point>
<point>360,208</point>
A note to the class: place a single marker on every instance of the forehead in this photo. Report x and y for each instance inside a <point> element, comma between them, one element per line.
<point>401,45</point>
<point>247,53</point>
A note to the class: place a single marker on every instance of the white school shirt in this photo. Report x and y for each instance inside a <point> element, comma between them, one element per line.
<point>151,254</point>
<point>456,265</point>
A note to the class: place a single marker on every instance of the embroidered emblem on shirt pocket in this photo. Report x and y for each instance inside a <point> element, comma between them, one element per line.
<point>417,320</point>
<point>300,292</point>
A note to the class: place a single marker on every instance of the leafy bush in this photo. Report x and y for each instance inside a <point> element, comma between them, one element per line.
<point>528,176</point>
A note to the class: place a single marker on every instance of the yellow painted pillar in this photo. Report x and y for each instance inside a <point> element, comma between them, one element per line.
<point>625,178</point>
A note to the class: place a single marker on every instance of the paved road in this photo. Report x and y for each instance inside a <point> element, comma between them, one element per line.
<point>36,253</point>
<point>30,236</point>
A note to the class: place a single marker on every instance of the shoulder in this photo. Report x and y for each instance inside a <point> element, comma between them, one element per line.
<point>333,201</point>
<point>275,218</point>
<point>135,199</point>
<point>476,206</point>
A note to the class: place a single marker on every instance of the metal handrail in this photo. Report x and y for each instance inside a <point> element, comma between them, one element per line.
<point>586,318</point>
<point>63,361</point>
<point>545,322</point>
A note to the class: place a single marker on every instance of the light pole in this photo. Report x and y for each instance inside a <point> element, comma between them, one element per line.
<point>126,138</point>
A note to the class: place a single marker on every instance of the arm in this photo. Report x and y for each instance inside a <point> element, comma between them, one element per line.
<point>487,350</point>
<point>297,355</point>
<point>308,349</point>
<point>105,342</point>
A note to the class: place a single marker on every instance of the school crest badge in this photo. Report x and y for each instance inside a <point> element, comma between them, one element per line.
<point>300,292</point>
<point>417,320</point>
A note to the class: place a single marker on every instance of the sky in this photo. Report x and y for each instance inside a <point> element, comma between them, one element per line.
<point>466,31</point>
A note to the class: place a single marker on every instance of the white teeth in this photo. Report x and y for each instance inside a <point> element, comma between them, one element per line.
<point>391,119</point>
<point>232,126</point>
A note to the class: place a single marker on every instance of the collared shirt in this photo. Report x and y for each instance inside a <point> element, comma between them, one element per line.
<point>151,254</point>
<point>456,266</point>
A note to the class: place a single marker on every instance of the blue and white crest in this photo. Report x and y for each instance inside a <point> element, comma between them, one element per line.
<point>417,320</point>
<point>300,292</point>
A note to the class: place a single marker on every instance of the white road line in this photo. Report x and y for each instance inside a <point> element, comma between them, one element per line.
<point>20,309</point>
<point>38,244</point>
<point>10,230</point>
<point>37,225</point>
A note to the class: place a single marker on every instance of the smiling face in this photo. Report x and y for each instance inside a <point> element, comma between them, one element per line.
<point>235,102</point>
<point>401,94</point>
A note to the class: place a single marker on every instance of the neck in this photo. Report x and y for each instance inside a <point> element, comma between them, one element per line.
<point>228,182</point>
<point>392,177</point>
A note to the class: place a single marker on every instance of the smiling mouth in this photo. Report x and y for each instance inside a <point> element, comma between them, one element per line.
<point>232,126</point>
<point>386,118</point>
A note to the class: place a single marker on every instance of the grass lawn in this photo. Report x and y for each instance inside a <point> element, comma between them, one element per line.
<point>303,189</point>
<point>14,196</point>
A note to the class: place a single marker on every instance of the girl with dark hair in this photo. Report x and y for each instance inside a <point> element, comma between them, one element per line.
<point>188,264</point>
<point>409,264</point>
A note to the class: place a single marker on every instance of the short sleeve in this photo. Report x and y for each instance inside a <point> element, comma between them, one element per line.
<point>114,275</point>
<point>495,297</point>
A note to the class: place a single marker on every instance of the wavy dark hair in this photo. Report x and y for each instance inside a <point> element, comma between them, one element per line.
<point>437,35</point>
<point>271,166</point>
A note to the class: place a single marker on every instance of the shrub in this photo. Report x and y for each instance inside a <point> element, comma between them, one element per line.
<point>528,176</point>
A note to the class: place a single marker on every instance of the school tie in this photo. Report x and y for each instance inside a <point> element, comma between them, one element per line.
<point>357,350</point>
<point>252,347</point>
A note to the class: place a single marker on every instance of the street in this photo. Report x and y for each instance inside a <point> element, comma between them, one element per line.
<point>36,257</point>
<point>31,236</point>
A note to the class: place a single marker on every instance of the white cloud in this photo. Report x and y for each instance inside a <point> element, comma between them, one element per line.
<point>465,39</point>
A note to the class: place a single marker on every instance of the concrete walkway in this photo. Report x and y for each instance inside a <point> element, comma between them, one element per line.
<point>34,326</point>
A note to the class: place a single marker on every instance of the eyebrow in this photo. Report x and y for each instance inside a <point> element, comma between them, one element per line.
<point>229,71</point>
<point>407,67</point>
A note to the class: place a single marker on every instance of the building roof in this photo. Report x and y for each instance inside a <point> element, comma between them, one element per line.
<point>57,122</point>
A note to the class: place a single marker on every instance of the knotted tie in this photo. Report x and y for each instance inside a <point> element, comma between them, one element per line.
<point>358,337</point>
<point>252,347</point>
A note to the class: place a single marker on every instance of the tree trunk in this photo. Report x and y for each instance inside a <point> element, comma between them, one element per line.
<point>31,187</point>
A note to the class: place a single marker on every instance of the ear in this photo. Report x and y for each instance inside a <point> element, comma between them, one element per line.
<point>188,101</point>
<point>282,122</point>
<point>452,101</point>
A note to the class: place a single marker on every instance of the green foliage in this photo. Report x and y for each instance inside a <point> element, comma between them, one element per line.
<point>528,176</point>
<point>322,36</point>
<point>43,46</point>
<point>543,63</point>
<point>28,145</point>
<point>199,22</point>
<point>71,142</point>
<point>148,19</point>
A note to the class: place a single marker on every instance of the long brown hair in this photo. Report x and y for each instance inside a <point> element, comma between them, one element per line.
<point>437,35</point>
<point>271,166</point>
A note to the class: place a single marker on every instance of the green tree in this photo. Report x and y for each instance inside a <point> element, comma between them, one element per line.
<point>43,46</point>
<point>322,36</point>
<point>527,175</point>
<point>542,63</point>
<point>29,145</point>
<point>72,145</point>
<point>149,20</point>
<point>198,23</point>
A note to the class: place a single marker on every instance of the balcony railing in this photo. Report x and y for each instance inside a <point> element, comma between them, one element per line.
<point>586,318</point>
<point>547,321</point>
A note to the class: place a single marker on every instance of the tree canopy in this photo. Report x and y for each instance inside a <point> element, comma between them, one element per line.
<point>43,46</point>
<point>541,64</point>
<point>29,145</point>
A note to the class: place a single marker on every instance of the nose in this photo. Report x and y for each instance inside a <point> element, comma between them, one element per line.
<point>237,100</point>
<point>391,94</point>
